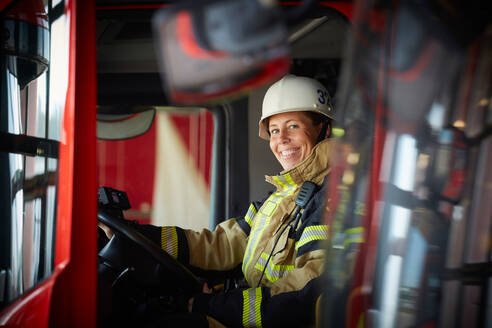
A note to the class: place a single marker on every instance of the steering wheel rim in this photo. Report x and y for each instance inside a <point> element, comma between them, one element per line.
<point>172,265</point>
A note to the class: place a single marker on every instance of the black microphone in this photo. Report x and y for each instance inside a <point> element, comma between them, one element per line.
<point>305,194</point>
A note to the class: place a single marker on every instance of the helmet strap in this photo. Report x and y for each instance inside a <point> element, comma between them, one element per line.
<point>322,135</point>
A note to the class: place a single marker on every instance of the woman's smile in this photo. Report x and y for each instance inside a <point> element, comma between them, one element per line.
<point>292,137</point>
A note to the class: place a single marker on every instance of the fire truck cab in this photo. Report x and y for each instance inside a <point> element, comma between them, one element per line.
<point>161,106</point>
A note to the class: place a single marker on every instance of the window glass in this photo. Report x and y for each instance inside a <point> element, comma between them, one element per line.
<point>29,149</point>
<point>480,208</point>
<point>14,108</point>
<point>416,153</point>
<point>35,97</point>
<point>31,235</point>
<point>14,276</point>
<point>49,240</point>
<point>58,75</point>
<point>56,2</point>
<point>163,169</point>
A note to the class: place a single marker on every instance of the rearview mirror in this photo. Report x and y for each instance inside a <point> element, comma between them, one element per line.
<point>124,126</point>
<point>213,49</point>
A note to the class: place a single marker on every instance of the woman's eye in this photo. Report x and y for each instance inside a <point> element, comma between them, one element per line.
<point>274,131</point>
<point>293,126</point>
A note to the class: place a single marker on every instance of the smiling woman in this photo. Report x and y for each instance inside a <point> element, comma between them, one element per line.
<point>296,114</point>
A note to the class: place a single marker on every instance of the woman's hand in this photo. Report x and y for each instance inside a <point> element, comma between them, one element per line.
<point>107,230</point>
<point>205,290</point>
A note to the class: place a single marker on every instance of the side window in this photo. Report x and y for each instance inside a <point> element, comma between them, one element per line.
<point>32,99</point>
<point>165,171</point>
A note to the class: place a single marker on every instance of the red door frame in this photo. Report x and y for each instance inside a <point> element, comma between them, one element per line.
<point>68,297</point>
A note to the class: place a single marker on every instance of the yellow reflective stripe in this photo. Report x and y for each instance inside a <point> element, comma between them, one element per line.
<point>311,233</point>
<point>285,182</point>
<point>255,234</point>
<point>250,214</point>
<point>353,235</point>
<point>352,241</point>
<point>290,181</point>
<point>354,230</point>
<point>246,308</point>
<point>280,183</point>
<point>268,208</point>
<point>360,208</point>
<point>273,272</point>
<point>169,241</point>
<point>252,307</point>
<point>264,216</point>
<point>264,256</point>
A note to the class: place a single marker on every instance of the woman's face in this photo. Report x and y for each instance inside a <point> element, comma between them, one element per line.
<point>292,137</point>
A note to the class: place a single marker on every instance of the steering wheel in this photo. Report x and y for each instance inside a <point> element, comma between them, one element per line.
<point>186,278</point>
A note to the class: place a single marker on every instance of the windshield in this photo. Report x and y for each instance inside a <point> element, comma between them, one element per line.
<point>410,174</point>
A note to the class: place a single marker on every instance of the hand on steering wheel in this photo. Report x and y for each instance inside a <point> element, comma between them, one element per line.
<point>186,278</point>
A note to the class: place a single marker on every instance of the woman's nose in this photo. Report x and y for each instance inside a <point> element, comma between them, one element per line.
<point>284,136</point>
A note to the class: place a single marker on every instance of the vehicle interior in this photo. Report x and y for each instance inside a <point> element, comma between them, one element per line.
<point>220,136</point>
<point>179,95</point>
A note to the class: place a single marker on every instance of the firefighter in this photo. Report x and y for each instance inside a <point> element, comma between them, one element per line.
<point>277,244</point>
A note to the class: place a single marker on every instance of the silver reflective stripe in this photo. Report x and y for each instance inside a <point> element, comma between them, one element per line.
<point>354,235</point>
<point>169,241</point>
<point>272,272</point>
<point>252,307</point>
<point>319,232</point>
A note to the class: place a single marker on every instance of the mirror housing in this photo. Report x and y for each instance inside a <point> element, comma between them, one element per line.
<point>124,126</point>
<point>219,48</point>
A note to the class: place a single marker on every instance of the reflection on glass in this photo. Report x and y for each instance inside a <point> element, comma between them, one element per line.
<point>400,220</point>
<point>459,124</point>
<point>14,107</point>
<point>391,280</point>
<point>50,226</point>
<point>423,161</point>
<point>436,116</point>
<point>348,177</point>
<point>429,167</point>
<point>414,259</point>
<point>59,75</point>
<point>31,242</point>
<point>17,215</point>
<point>405,162</point>
<point>388,151</point>
<point>458,213</point>
<point>353,158</point>
<point>36,107</point>
<point>35,166</point>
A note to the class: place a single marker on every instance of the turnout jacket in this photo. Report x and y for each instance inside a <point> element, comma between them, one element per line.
<point>291,259</point>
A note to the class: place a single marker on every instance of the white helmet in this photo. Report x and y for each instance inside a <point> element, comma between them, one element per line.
<point>294,93</point>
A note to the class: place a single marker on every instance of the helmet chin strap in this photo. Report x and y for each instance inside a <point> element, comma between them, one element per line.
<point>322,135</point>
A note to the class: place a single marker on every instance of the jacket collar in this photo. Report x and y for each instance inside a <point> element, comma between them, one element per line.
<point>313,168</point>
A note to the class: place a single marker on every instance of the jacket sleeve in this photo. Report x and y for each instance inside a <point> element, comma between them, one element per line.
<point>218,250</point>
